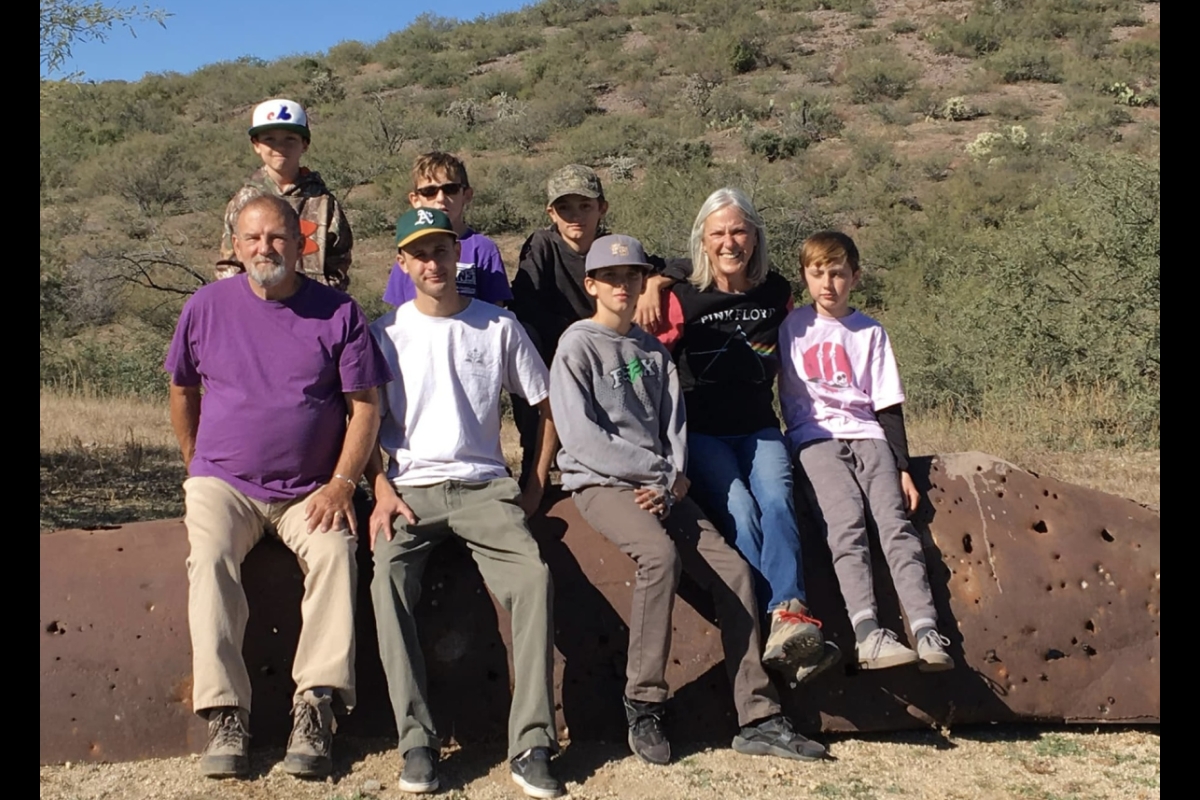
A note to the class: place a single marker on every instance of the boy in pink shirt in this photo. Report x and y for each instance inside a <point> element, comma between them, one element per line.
<point>841,397</point>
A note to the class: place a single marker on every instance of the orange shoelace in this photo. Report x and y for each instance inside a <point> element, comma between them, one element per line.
<point>796,617</point>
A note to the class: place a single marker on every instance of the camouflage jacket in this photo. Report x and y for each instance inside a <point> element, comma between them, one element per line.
<point>327,236</point>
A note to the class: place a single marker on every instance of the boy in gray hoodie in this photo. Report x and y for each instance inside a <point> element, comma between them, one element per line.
<point>616,400</point>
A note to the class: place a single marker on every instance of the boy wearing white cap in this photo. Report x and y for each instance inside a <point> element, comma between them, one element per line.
<point>279,135</point>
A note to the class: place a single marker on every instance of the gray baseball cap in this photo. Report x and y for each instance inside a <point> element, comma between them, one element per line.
<point>616,250</point>
<point>574,179</point>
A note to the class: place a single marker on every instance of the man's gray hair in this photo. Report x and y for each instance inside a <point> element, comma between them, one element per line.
<point>291,220</point>
<point>702,269</point>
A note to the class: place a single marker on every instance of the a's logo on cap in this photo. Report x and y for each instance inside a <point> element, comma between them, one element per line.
<point>620,249</point>
<point>424,217</point>
<point>282,115</point>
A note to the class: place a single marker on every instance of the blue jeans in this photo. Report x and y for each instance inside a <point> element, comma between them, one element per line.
<point>744,483</point>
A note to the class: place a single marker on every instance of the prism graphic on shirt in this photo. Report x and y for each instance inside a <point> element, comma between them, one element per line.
<point>827,363</point>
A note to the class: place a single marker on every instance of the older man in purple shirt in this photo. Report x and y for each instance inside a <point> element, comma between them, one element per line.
<point>275,446</point>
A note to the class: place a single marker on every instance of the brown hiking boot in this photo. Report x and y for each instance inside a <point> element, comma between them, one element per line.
<point>227,754</point>
<point>310,745</point>
<point>794,641</point>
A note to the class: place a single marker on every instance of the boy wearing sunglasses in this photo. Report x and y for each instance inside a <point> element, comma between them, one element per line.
<point>439,180</point>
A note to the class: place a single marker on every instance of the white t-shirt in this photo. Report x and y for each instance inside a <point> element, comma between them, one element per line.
<point>441,415</point>
<point>834,374</point>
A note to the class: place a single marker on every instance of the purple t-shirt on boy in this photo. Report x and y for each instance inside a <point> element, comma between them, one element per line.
<point>480,274</point>
<point>273,415</point>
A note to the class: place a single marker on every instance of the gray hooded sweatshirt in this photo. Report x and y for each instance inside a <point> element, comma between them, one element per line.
<point>617,408</point>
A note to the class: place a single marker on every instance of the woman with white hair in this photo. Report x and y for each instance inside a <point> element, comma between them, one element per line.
<point>722,327</point>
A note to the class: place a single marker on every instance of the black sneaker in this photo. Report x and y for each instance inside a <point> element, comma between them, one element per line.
<point>420,770</point>
<point>647,738</point>
<point>774,737</point>
<point>531,771</point>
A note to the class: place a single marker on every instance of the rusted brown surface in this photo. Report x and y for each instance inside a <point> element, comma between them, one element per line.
<point>115,655</point>
<point>1049,593</point>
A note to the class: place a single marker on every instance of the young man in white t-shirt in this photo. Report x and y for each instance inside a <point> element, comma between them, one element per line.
<point>841,397</point>
<point>447,476</point>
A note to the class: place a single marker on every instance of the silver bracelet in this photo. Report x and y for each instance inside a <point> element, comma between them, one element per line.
<point>347,480</point>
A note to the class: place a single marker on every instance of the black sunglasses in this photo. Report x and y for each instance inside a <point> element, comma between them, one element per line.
<point>449,189</point>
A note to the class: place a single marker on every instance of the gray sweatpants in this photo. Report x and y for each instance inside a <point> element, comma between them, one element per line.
<point>846,479</point>
<point>487,517</point>
<point>686,540</point>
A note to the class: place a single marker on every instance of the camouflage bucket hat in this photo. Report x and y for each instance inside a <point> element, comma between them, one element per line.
<point>574,179</point>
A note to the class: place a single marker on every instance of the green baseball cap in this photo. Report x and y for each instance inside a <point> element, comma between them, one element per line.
<point>574,179</point>
<point>418,222</point>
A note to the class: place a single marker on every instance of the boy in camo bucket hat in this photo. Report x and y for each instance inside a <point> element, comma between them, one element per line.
<point>280,136</point>
<point>548,289</point>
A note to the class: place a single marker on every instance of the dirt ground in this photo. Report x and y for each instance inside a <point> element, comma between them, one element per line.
<point>1025,763</point>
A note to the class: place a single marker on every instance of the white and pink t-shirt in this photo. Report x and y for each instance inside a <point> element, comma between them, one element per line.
<point>834,374</point>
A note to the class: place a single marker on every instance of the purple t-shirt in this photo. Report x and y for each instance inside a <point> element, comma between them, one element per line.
<point>273,415</point>
<point>480,274</point>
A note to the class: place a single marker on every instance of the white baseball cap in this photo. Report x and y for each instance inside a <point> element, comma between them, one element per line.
<point>279,114</point>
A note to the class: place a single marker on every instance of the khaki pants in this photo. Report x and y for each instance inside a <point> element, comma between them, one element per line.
<point>686,540</point>
<point>223,525</point>
<point>487,517</point>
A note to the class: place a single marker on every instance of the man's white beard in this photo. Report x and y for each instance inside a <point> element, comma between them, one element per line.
<point>267,273</point>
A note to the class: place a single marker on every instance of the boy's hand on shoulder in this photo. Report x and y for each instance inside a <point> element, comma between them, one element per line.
<point>648,314</point>
<point>912,498</point>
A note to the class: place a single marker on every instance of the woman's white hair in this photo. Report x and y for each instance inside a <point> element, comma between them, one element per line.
<point>702,269</point>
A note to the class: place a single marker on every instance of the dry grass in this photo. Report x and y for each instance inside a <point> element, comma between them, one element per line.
<point>106,461</point>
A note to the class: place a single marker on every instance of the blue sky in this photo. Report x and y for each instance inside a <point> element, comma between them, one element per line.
<point>204,31</point>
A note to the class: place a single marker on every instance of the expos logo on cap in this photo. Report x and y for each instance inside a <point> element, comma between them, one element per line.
<point>279,114</point>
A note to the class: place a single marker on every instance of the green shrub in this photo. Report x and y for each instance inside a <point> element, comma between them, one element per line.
<point>744,55</point>
<point>902,26</point>
<point>771,146</point>
<point>877,73</point>
<point>1027,61</point>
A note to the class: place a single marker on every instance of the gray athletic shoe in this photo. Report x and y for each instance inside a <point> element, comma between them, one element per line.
<point>775,737</point>
<point>227,754</point>
<point>882,649</point>
<point>931,648</point>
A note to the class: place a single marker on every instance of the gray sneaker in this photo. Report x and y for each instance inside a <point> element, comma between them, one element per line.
<point>310,745</point>
<point>227,754</point>
<point>882,649</point>
<point>795,638</point>
<point>830,655</point>
<point>931,648</point>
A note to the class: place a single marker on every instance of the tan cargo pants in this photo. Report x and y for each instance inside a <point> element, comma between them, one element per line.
<point>223,525</point>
